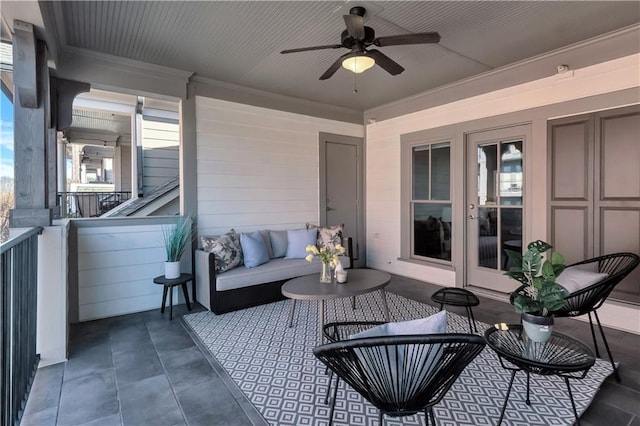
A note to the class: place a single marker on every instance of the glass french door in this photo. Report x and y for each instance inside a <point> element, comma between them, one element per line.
<point>495,202</point>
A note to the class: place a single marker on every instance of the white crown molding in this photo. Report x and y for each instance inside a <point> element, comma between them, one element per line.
<point>613,45</point>
<point>211,88</point>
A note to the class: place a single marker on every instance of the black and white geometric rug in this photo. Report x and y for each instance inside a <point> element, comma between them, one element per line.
<point>274,366</point>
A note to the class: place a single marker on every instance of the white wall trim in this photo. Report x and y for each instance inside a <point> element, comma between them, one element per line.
<point>616,44</point>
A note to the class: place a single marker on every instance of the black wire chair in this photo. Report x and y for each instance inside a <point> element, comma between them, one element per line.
<point>589,299</point>
<point>401,375</point>
<point>337,331</point>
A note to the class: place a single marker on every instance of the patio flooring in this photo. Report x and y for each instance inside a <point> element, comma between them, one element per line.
<point>142,369</point>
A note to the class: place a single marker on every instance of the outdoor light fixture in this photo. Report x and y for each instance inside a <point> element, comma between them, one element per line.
<point>358,64</point>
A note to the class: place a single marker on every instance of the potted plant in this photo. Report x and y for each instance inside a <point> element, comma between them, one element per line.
<point>540,294</point>
<point>176,237</point>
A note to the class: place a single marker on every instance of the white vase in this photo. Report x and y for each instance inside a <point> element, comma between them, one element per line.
<point>171,270</point>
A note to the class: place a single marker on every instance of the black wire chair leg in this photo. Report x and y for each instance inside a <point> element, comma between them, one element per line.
<point>326,397</point>
<point>593,334</point>
<point>606,345</point>
<point>381,418</point>
<point>333,401</point>
<point>472,320</point>
<point>431,419</point>
<point>573,403</point>
<point>506,398</point>
<point>528,400</point>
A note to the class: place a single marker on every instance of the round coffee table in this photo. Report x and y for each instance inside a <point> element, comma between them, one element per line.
<point>309,287</point>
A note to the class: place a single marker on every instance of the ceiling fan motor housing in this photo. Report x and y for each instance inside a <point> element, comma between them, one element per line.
<point>357,10</point>
<point>348,41</point>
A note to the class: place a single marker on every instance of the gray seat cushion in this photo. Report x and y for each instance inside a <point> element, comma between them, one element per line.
<point>274,270</point>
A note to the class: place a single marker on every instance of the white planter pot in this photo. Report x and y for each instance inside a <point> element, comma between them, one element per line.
<point>537,328</point>
<point>171,270</point>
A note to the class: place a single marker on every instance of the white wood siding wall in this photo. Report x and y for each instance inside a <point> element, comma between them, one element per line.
<point>116,267</point>
<point>383,159</point>
<point>160,142</point>
<point>258,168</point>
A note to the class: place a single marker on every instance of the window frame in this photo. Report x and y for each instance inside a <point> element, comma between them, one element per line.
<point>408,144</point>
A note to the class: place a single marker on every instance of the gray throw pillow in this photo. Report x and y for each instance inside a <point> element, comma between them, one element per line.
<point>575,278</point>
<point>254,250</point>
<point>328,237</point>
<point>267,242</point>
<point>278,243</point>
<point>225,248</point>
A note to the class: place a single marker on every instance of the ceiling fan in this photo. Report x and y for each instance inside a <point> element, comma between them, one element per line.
<point>358,37</point>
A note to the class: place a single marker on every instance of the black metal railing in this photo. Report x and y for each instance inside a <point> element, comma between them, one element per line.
<point>18,312</point>
<point>89,204</point>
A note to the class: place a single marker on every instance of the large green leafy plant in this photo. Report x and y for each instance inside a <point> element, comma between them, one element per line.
<point>540,294</point>
<point>176,238</point>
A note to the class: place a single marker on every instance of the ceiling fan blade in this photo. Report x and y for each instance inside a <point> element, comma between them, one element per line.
<point>355,26</point>
<point>385,62</point>
<point>417,38</point>
<point>334,67</point>
<point>306,49</point>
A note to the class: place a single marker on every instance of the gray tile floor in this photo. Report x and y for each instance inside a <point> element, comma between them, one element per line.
<point>143,369</point>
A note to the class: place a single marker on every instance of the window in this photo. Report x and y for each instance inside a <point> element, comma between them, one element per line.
<point>6,138</point>
<point>430,201</point>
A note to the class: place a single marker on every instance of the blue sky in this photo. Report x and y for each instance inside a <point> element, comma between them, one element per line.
<point>6,137</point>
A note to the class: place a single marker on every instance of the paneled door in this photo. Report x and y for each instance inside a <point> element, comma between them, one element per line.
<point>595,188</point>
<point>495,190</point>
<point>341,188</point>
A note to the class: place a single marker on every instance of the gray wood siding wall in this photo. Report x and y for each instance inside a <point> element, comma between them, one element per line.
<point>258,168</point>
<point>125,167</point>
<point>160,142</point>
<point>116,267</point>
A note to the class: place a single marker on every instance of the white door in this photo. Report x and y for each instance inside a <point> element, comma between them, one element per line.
<point>341,185</point>
<point>495,202</point>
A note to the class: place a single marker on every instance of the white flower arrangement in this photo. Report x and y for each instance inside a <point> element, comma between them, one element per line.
<point>325,255</point>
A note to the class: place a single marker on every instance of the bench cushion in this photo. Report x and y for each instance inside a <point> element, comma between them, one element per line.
<point>274,270</point>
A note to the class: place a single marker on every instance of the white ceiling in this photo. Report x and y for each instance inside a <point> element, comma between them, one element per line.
<point>239,42</point>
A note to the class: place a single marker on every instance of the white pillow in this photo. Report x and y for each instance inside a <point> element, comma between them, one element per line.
<point>575,278</point>
<point>433,324</point>
<point>401,371</point>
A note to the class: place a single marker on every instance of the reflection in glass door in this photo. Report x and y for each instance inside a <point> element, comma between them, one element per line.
<point>495,187</point>
<point>499,202</point>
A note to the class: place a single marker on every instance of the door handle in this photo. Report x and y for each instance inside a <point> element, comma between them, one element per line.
<point>472,216</point>
<point>329,209</point>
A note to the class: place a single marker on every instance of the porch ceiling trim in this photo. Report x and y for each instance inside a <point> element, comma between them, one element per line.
<point>110,72</point>
<point>210,88</point>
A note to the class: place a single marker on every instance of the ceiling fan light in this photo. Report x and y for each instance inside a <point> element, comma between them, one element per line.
<point>358,64</point>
